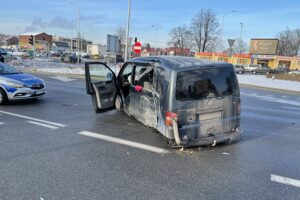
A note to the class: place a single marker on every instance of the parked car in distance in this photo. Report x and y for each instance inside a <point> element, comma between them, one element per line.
<point>279,70</point>
<point>263,70</point>
<point>70,57</point>
<point>253,68</point>
<point>294,72</point>
<point>239,69</point>
<point>191,102</point>
<point>15,85</point>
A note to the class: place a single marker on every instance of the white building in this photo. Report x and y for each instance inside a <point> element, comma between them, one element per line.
<point>60,47</point>
<point>96,49</point>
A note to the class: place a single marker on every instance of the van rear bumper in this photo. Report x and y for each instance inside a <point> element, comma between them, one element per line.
<point>212,140</point>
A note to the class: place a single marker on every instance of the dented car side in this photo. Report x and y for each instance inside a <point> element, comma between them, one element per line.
<point>191,102</point>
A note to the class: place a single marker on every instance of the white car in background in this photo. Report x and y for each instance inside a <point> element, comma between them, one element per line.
<point>294,72</point>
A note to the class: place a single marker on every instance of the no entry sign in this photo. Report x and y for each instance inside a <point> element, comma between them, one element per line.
<point>137,48</point>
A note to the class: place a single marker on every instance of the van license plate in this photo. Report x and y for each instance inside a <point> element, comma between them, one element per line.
<point>209,116</point>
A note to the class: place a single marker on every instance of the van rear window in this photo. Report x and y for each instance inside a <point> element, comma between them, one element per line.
<point>206,83</point>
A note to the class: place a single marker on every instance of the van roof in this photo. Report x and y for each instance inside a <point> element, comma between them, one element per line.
<point>176,62</point>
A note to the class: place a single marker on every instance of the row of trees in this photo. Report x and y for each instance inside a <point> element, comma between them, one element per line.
<point>289,42</point>
<point>202,34</point>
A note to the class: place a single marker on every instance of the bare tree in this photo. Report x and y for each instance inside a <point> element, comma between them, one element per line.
<point>181,38</point>
<point>205,30</point>
<point>240,46</point>
<point>289,42</point>
<point>121,33</point>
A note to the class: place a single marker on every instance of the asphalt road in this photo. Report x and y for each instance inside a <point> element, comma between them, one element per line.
<point>43,156</point>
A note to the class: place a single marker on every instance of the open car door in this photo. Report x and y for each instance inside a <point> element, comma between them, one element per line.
<point>101,85</point>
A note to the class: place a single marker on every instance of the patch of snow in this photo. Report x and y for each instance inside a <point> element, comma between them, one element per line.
<point>262,81</point>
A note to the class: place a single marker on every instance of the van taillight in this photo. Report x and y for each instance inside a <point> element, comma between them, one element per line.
<point>170,117</point>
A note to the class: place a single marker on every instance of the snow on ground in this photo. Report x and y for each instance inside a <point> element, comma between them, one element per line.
<point>262,81</point>
<point>51,65</point>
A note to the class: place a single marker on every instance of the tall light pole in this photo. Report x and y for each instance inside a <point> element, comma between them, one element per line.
<point>18,32</point>
<point>78,27</point>
<point>156,28</point>
<point>241,40</point>
<point>223,18</point>
<point>127,31</point>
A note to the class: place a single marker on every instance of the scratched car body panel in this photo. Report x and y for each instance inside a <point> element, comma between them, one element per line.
<point>15,85</point>
<point>191,102</point>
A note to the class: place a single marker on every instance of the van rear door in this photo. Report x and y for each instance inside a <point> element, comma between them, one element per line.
<point>207,101</point>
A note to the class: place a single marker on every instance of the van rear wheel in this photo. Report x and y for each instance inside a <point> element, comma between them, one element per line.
<point>3,97</point>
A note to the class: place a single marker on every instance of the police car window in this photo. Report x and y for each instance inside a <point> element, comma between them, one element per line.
<point>100,73</point>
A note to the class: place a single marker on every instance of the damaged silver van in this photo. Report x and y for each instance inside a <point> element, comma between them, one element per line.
<point>192,102</point>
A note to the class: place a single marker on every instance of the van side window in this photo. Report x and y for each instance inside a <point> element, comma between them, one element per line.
<point>125,79</point>
<point>143,75</point>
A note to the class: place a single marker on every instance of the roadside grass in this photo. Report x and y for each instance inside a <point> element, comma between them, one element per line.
<point>288,77</point>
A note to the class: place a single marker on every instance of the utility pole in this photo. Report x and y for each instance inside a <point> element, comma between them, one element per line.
<point>34,65</point>
<point>127,31</point>
<point>156,28</point>
<point>241,39</point>
<point>223,19</point>
<point>78,27</point>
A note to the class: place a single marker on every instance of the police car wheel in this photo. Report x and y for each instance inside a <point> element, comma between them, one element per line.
<point>3,97</point>
<point>118,103</point>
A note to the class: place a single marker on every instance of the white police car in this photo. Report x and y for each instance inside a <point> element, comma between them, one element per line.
<point>15,85</point>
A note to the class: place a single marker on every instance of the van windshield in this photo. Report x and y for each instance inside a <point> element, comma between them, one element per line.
<point>206,83</point>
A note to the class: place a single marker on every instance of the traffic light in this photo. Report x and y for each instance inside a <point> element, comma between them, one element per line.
<point>31,40</point>
<point>135,40</point>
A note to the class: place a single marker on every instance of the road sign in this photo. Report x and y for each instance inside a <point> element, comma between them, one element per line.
<point>231,42</point>
<point>137,48</point>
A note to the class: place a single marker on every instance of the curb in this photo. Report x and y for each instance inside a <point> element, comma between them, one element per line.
<point>270,89</point>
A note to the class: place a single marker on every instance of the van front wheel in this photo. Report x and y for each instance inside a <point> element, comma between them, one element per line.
<point>118,103</point>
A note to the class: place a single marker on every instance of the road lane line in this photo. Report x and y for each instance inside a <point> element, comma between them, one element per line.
<point>293,108</point>
<point>41,124</point>
<point>34,119</point>
<point>1,123</point>
<point>285,180</point>
<point>125,142</point>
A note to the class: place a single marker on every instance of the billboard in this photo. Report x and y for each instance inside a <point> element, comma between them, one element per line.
<point>112,44</point>
<point>263,46</point>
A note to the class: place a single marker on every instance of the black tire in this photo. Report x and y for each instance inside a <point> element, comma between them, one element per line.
<point>3,97</point>
<point>118,103</point>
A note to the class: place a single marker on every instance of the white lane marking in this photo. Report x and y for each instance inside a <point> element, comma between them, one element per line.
<point>1,123</point>
<point>63,78</point>
<point>285,180</point>
<point>34,119</point>
<point>41,124</point>
<point>125,142</point>
<point>293,108</point>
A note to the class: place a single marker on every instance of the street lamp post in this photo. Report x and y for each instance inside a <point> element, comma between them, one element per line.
<point>127,31</point>
<point>223,18</point>
<point>240,43</point>
<point>78,27</point>
<point>156,28</point>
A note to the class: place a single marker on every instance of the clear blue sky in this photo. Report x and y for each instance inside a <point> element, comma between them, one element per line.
<point>261,18</point>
